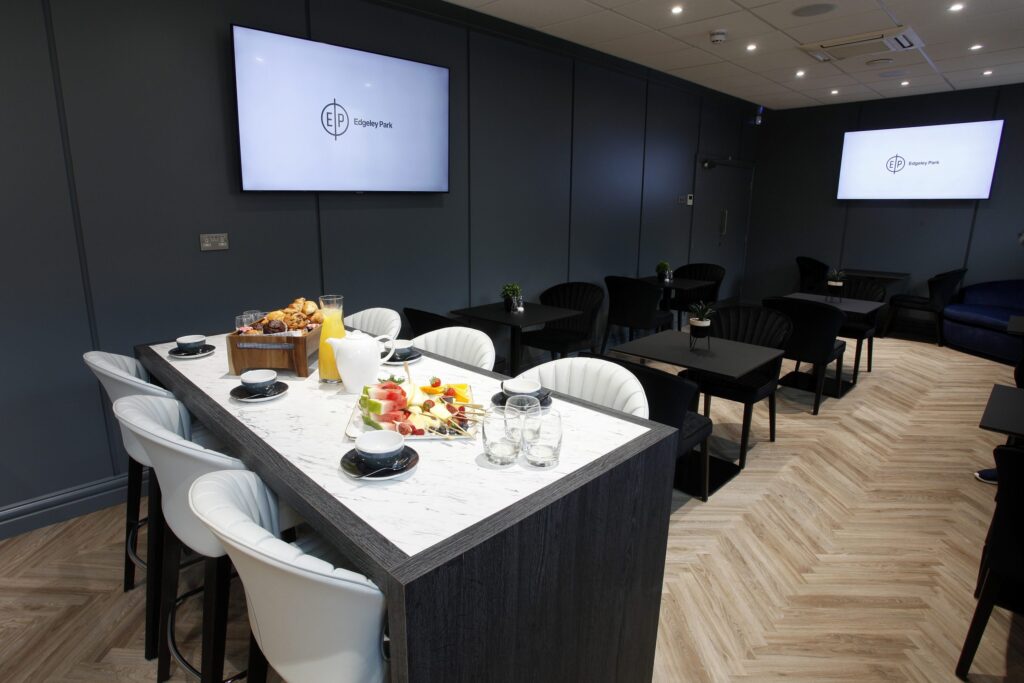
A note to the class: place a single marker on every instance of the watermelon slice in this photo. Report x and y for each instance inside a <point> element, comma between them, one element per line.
<point>377,406</point>
<point>373,424</point>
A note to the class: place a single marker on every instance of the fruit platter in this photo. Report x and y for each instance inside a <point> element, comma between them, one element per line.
<point>434,410</point>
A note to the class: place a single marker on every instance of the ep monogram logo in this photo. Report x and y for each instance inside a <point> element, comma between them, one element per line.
<point>895,164</point>
<point>334,119</point>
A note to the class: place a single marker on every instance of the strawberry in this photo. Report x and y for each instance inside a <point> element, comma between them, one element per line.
<point>428,404</point>
<point>435,382</point>
<point>449,392</point>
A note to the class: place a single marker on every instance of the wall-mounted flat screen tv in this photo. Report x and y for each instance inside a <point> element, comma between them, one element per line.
<point>953,161</point>
<point>313,116</point>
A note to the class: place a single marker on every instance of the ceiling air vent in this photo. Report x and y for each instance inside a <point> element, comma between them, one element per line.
<point>837,49</point>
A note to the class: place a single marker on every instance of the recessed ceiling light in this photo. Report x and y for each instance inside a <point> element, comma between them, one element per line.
<point>814,10</point>
<point>904,83</point>
<point>987,72</point>
<point>801,73</point>
<point>678,9</point>
<point>977,46</point>
<point>751,47</point>
<point>956,7</point>
<point>835,92</point>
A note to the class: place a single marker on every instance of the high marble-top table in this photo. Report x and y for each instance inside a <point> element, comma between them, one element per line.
<point>489,574</point>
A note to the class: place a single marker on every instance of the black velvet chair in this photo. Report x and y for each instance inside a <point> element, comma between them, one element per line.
<point>633,304</point>
<point>941,290</point>
<point>752,325</point>
<point>813,275</point>
<point>672,400</point>
<point>572,334</point>
<point>815,328</point>
<point>862,327</point>
<point>422,322</point>
<point>1001,580</point>
<point>681,301</point>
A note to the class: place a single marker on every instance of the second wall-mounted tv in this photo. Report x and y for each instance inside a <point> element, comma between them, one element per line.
<point>953,161</point>
<point>313,116</point>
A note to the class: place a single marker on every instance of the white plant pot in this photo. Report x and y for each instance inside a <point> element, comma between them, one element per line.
<point>697,322</point>
<point>834,283</point>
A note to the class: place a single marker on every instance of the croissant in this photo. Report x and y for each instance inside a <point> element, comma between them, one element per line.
<point>275,315</point>
<point>309,308</point>
<point>317,317</point>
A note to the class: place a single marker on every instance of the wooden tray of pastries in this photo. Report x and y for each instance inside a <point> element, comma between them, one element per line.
<point>282,340</point>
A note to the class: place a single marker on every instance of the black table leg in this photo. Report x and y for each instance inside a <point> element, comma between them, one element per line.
<point>515,348</point>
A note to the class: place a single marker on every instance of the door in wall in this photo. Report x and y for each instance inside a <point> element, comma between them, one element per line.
<point>721,212</point>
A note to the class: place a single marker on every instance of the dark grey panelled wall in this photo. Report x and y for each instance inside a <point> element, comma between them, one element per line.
<point>564,163</point>
<point>796,212</point>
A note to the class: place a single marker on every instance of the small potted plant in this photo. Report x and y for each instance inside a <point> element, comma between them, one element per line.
<point>512,294</point>
<point>663,270</point>
<point>700,321</point>
<point>835,282</point>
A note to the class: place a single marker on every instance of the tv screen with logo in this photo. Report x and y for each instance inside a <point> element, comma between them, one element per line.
<point>953,161</point>
<point>313,116</point>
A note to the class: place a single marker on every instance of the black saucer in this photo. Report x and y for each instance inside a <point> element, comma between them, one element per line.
<point>354,466</point>
<point>204,350</point>
<point>544,397</point>
<point>240,393</point>
<point>404,357</point>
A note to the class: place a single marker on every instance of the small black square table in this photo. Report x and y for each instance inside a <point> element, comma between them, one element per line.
<point>724,357</point>
<point>849,306</point>
<point>533,314</point>
<point>679,285</point>
<point>1004,412</point>
<point>880,275</point>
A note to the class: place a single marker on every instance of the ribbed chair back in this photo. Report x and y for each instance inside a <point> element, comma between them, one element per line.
<point>632,303</point>
<point>160,425</point>
<point>815,327</point>
<point>578,296</point>
<point>421,322</point>
<point>376,321</point>
<point>463,344</point>
<point>313,621</point>
<point>594,380</point>
<point>864,289</point>
<point>702,271</point>
<point>813,274</point>
<point>942,288</point>
<point>752,325</point>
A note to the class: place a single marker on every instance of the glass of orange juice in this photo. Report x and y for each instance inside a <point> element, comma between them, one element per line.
<point>333,327</point>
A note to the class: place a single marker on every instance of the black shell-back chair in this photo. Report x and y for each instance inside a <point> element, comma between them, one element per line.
<point>751,325</point>
<point>813,275</point>
<point>633,304</point>
<point>571,334</point>
<point>422,322</point>
<point>861,327</point>
<point>681,301</point>
<point>815,328</point>
<point>941,290</point>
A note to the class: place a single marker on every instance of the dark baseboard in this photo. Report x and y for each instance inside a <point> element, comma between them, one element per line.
<point>62,505</point>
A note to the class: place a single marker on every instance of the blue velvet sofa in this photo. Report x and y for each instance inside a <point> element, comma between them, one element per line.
<point>977,320</point>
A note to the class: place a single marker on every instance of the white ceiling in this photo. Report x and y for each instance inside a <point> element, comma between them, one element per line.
<point>648,33</point>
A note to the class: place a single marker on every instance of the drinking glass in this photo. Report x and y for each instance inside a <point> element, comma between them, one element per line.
<point>521,412</point>
<point>501,446</point>
<point>253,315</point>
<point>547,444</point>
<point>242,321</point>
<point>333,327</point>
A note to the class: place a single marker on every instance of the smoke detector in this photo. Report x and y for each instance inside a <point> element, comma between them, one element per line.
<point>718,36</point>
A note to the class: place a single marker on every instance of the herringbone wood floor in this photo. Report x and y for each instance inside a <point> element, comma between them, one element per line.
<point>847,550</point>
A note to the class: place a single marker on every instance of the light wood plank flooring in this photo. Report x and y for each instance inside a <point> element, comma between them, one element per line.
<point>846,551</point>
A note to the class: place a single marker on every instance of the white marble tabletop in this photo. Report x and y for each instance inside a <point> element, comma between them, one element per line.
<point>452,488</point>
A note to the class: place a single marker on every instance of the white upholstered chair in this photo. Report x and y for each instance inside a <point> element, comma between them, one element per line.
<point>376,321</point>
<point>312,620</point>
<point>160,425</point>
<point>124,376</point>
<point>594,380</point>
<point>463,344</point>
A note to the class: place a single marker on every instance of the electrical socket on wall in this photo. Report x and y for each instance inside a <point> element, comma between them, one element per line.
<point>213,241</point>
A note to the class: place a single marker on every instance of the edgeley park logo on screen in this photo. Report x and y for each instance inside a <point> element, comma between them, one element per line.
<point>895,163</point>
<point>334,119</point>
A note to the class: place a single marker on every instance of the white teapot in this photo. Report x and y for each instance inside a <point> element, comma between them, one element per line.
<point>358,357</point>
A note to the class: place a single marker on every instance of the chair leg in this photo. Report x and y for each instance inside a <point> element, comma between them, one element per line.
<point>797,367</point>
<point>154,566</point>
<point>168,596</point>
<point>679,321</point>
<point>707,404</point>
<point>215,617</point>
<point>819,385</point>
<point>748,413</point>
<point>632,334</point>
<point>705,470</point>
<point>604,340</point>
<point>839,376</point>
<point>258,667</point>
<point>856,360</point>
<point>131,521</point>
<point>938,329</point>
<point>771,416</point>
<point>893,312</point>
<point>871,351</point>
<point>982,612</point>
